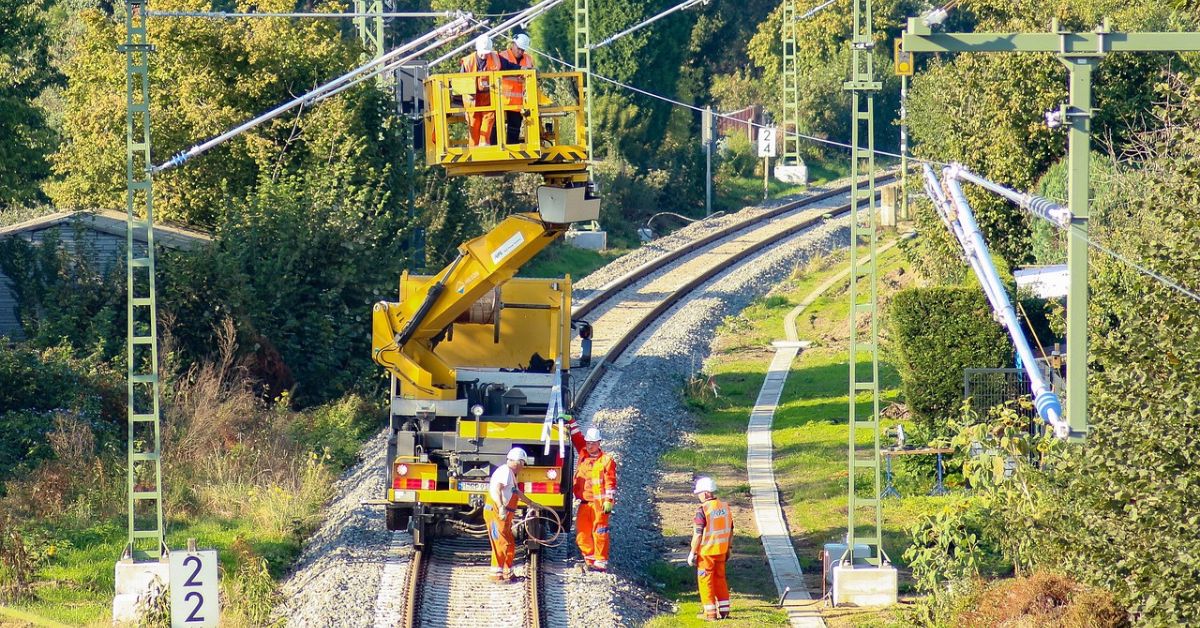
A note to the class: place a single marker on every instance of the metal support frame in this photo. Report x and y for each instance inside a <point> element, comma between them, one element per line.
<point>368,21</point>
<point>143,441</point>
<point>790,79</point>
<point>1081,54</point>
<point>583,63</point>
<point>862,86</point>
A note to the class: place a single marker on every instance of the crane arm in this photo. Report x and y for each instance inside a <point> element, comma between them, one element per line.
<point>404,333</point>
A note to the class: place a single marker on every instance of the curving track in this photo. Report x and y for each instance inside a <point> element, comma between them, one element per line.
<point>446,583</point>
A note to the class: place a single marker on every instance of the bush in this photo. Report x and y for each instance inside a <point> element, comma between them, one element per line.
<point>41,387</point>
<point>738,157</point>
<point>936,333</point>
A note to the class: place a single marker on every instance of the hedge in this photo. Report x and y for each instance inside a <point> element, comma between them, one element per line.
<point>935,334</point>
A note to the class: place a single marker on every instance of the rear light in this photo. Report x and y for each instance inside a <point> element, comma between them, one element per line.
<point>534,488</point>
<point>415,476</point>
<point>552,474</point>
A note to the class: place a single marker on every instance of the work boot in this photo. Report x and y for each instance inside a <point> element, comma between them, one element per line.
<point>600,565</point>
<point>507,576</point>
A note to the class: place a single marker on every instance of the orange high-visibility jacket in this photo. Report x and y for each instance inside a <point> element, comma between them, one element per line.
<point>718,528</point>
<point>596,477</point>
<point>474,63</point>
<point>512,88</point>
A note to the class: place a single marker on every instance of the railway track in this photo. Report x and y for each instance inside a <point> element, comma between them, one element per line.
<point>447,582</point>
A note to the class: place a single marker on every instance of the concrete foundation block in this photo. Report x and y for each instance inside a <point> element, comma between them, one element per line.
<point>593,240</point>
<point>864,585</point>
<point>133,581</point>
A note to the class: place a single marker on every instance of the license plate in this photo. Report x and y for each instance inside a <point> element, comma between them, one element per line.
<point>405,496</point>
<point>474,487</point>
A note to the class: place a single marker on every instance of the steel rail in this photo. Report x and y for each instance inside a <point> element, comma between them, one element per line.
<point>611,290</point>
<point>412,589</point>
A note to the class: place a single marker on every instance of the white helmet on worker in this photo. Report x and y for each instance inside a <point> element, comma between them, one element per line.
<point>522,41</point>
<point>483,44</point>
<point>516,454</point>
<point>592,435</point>
<point>705,485</point>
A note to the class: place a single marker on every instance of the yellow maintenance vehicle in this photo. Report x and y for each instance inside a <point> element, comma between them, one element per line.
<point>480,360</point>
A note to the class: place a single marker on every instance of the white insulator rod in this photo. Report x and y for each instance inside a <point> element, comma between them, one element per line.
<point>1037,205</point>
<point>686,4</point>
<point>392,66</point>
<point>813,11</point>
<point>226,15</point>
<point>1047,403</point>
<point>524,17</point>
<point>448,31</point>
<point>933,187</point>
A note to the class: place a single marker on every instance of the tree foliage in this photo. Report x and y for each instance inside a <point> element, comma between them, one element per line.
<point>208,76</point>
<point>25,138</point>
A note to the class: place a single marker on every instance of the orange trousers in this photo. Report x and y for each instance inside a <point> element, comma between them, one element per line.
<point>591,534</point>
<point>483,123</point>
<point>500,534</point>
<point>714,591</point>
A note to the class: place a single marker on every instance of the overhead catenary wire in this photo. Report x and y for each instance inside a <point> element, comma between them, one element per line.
<point>686,4</point>
<point>678,103</point>
<point>231,15</point>
<point>813,11</point>
<point>403,54</point>
<point>1060,217</point>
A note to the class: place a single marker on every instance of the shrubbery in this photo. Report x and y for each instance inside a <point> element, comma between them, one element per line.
<point>936,333</point>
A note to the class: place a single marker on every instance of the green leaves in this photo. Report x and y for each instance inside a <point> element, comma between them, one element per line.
<point>936,333</point>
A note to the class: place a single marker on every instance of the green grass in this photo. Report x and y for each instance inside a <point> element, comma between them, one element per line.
<point>732,194</point>
<point>560,259</point>
<point>75,587</point>
<point>810,435</point>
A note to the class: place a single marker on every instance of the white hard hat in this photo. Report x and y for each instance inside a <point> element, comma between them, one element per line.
<point>592,435</point>
<point>705,485</point>
<point>522,41</point>
<point>516,454</point>
<point>483,44</point>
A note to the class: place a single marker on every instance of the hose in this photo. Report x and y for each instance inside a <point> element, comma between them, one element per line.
<point>531,514</point>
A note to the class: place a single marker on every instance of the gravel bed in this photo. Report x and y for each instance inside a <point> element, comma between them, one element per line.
<point>336,580</point>
<point>639,409</point>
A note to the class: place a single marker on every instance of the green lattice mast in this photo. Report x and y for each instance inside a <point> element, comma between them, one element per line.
<point>583,62</point>
<point>862,86</point>
<point>791,88</point>
<point>144,439</point>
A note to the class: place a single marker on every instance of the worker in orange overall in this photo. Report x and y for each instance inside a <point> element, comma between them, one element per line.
<point>484,59</point>
<point>596,489</point>
<point>498,509</point>
<point>712,537</point>
<point>512,88</point>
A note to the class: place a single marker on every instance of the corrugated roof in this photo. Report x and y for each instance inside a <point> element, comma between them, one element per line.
<point>114,223</point>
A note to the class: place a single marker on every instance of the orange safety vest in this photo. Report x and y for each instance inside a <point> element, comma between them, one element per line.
<point>718,528</point>
<point>491,63</point>
<point>512,88</point>
<point>596,478</point>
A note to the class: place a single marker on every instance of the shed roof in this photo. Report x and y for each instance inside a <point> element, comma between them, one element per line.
<point>113,223</point>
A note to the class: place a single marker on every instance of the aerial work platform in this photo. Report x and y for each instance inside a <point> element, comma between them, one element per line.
<point>553,138</point>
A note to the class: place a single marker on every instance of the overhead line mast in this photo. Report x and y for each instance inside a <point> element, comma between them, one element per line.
<point>862,87</point>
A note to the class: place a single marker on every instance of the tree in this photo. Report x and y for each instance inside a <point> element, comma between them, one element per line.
<point>206,77</point>
<point>25,138</point>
